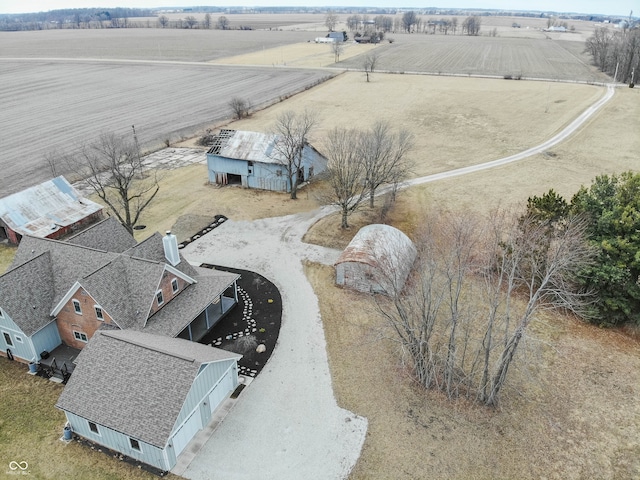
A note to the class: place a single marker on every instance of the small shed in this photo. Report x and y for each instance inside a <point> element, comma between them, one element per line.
<point>49,210</point>
<point>377,260</point>
<point>251,159</point>
<point>146,396</point>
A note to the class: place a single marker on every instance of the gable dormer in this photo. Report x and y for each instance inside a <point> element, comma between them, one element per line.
<point>79,315</point>
<point>171,284</point>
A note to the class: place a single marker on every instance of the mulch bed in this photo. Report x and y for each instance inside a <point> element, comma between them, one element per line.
<point>254,321</point>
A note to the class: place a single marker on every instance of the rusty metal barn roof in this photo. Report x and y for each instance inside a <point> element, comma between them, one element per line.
<point>243,145</point>
<point>43,209</point>
<point>380,245</point>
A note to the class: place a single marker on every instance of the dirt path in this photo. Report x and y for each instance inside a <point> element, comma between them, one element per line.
<point>287,425</point>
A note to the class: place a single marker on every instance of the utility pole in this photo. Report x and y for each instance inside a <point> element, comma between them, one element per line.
<point>135,140</point>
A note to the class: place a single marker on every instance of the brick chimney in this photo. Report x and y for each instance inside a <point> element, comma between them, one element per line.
<point>170,244</point>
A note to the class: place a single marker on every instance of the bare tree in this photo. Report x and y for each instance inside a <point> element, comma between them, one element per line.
<point>369,63</point>
<point>409,20</point>
<point>336,48</point>
<point>384,155</point>
<point>112,168</point>
<point>292,130</point>
<point>471,25</point>
<point>191,21</point>
<point>345,170</point>
<point>353,22</point>
<point>206,23</point>
<point>331,20</point>
<point>454,24</point>
<point>476,289</point>
<point>223,23</point>
<point>240,107</point>
<point>163,20</point>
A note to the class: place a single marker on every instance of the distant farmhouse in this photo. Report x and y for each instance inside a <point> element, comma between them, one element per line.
<point>56,294</point>
<point>49,210</point>
<point>333,37</point>
<point>146,396</point>
<point>252,160</point>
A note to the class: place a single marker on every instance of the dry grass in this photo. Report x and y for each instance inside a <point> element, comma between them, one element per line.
<point>567,415</point>
<point>186,192</point>
<point>30,428</point>
<point>572,414</point>
<point>7,253</point>
<point>309,54</point>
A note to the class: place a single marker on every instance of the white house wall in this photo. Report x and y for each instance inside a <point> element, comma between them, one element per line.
<point>119,442</point>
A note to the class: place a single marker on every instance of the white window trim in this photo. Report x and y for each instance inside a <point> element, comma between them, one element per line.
<point>101,316</point>
<point>4,339</point>
<point>139,449</point>
<point>97,428</point>
<point>77,335</point>
<point>159,297</point>
<point>18,338</point>
<point>175,286</point>
<point>77,307</point>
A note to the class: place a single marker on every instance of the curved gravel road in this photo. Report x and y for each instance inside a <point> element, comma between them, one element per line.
<point>286,424</point>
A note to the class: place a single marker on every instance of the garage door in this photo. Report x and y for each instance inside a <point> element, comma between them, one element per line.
<point>221,391</point>
<point>184,435</point>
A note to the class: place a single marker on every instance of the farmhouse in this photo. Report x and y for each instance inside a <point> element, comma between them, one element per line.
<point>58,294</point>
<point>377,260</point>
<point>178,386</point>
<point>251,159</point>
<point>49,210</point>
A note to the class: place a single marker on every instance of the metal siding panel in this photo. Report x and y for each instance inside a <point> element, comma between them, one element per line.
<point>186,432</point>
<point>18,349</point>
<point>46,338</point>
<point>119,442</point>
<point>201,387</point>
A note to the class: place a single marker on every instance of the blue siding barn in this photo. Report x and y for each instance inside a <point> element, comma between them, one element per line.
<point>178,386</point>
<point>251,159</point>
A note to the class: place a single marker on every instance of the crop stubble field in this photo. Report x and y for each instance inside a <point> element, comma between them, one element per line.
<point>59,105</point>
<point>576,419</point>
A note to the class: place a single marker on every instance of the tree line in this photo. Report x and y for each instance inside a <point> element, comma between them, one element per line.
<point>617,52</point>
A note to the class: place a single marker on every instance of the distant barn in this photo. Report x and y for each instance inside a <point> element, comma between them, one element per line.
<point>377,260</point>
<point>251,159</point>
<point>49,210</point>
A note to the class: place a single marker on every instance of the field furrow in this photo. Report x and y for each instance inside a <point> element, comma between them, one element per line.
<point>60,105</point>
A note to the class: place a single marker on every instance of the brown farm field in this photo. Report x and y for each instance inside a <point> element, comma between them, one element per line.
<point>572,412</point>
<point>58,105</point>
<point>493,56</point>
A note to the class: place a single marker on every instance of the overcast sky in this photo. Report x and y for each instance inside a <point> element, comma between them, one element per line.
<point>611,7</point>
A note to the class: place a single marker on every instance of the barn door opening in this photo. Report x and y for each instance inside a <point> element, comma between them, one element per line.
<point>300,175</point>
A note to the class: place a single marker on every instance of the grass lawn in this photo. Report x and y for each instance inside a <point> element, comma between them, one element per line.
<point>30,429</point>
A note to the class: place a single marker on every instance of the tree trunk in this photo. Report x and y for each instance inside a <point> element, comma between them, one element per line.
<point>345,215</point>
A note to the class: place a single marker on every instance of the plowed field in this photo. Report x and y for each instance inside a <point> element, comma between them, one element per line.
<point>496,56</point>
<point>60,105</point>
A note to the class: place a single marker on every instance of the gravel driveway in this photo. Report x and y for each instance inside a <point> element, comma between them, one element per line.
<point>286,424</point>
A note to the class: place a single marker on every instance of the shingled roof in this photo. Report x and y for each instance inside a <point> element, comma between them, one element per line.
<point>124,282</point>
<point>108,235</point>
<point>162,369</point>
<point>27,293</point>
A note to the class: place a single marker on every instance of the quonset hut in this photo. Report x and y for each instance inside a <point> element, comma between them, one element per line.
<point>377,260</point>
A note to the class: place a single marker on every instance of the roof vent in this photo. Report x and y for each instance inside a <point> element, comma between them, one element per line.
<point>170,244</point>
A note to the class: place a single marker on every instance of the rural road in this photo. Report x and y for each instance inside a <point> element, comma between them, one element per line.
<point>287,424</point>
